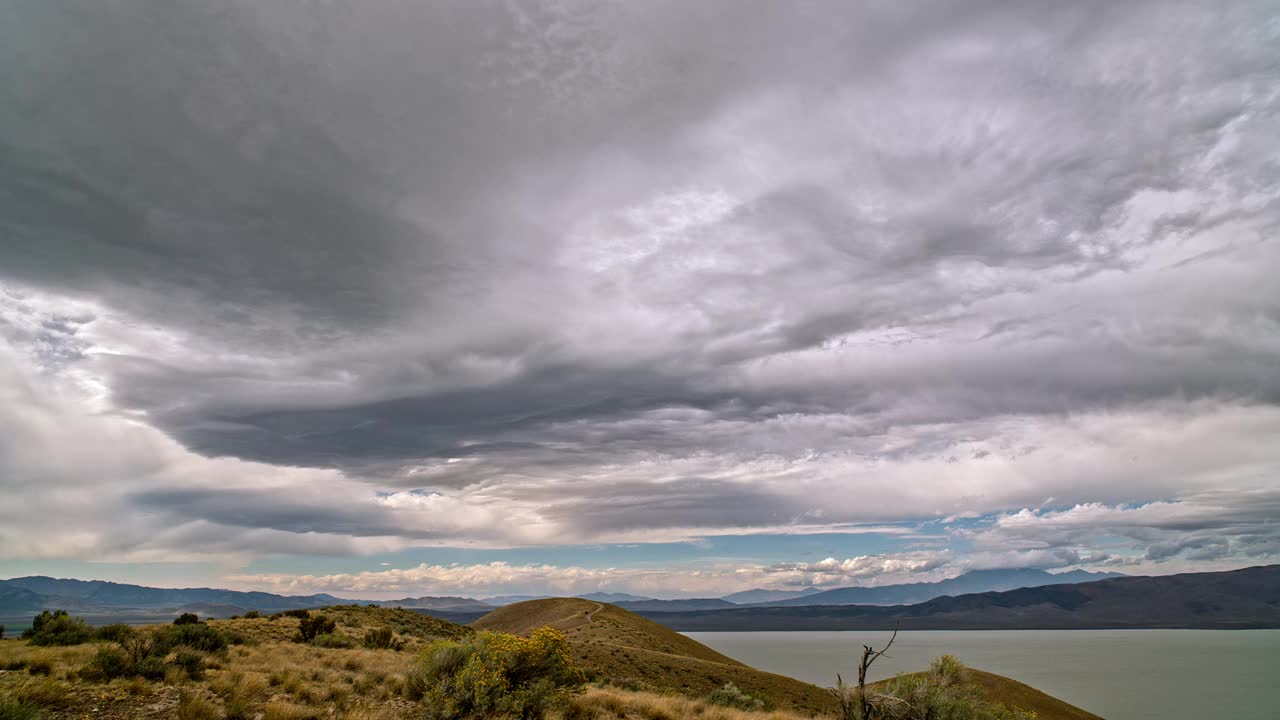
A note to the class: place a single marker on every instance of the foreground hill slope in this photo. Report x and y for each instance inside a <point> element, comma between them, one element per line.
<point>618,645</point>
<point>1247,598</point>
<point>614,644</point>
<point>1011,693</point>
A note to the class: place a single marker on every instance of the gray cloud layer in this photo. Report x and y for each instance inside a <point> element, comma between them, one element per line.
<point>645,270</point>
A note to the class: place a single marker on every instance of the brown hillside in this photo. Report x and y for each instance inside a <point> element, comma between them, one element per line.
<point>631,650</point>
<point>1013,694</point>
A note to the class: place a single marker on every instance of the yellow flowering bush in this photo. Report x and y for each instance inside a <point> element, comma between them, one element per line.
<point>497,675</point>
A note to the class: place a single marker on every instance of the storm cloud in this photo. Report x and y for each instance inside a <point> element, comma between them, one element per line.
<point>323,278</point>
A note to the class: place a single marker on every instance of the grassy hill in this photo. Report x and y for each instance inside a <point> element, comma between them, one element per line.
<point>632,651</point>
<point>648,671</point>
<point>636,652</point>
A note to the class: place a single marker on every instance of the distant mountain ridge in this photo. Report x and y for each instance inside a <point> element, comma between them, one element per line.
<point>758,595</point>
<point>1246,598</point>
<point>676,605</point>
<point>428,602</point>
<point>974,581</point>
<point>95,595</point>
<point>500,600</point>
<point>34,593</point>
<point>614,598</point>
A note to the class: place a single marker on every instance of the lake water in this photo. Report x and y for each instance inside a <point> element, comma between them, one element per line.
<point>1118,674</point>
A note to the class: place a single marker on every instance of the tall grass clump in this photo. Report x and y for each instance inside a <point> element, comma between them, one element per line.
<point>192,706</point>
<point>382,638</point>
<point>15,710</point>
<point>496,675</point>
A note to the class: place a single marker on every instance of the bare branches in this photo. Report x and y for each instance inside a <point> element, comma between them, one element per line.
<point>869,655</point>
<point>860,706</point>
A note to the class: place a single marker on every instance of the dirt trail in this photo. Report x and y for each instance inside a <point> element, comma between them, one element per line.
<point>562,622</point>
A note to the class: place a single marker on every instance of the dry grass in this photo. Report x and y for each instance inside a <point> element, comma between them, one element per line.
<point>282,710</point>
<point>613,704</point>
<point>194,706</point>
<point>271,677</point>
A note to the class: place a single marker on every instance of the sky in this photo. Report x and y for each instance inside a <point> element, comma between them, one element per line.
<point>465,298</point>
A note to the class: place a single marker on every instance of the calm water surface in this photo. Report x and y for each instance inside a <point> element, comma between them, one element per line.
<point>1118,674</point>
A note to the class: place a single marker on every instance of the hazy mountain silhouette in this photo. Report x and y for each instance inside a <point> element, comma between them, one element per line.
<point>975,581</point>
<point>1248,598</point>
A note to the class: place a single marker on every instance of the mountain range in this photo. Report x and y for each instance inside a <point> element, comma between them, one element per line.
<point>974,581</point>
<point>20,596</point>
<point>1247,598</point>
<point>757,596</point>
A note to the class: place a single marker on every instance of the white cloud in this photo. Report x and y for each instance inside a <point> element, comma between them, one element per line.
<point>699,581</point>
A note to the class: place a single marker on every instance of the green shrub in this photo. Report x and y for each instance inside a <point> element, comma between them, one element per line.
<point>191,662</point>
<point>141,653</point>
<point>15,710</point>
<point>200,637</point>
<point>333,640</point>
<point>300,614</point>
<point>113,632</point>
<point>107,664</point>
<point>310,627</point>
<point>496,675</point>
<point>382,639</point>
<point>731,696</point>
<point>110,663</point>
<point>187,618</point>
<point>939,694</point>
<point>251,615</point>
<point>57,628</point>
<point>151,667</point>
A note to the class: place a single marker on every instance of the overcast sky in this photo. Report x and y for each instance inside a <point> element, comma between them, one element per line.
<point>674,298</point>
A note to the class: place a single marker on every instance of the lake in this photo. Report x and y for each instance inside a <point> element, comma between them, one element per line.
<point>1118,674</point>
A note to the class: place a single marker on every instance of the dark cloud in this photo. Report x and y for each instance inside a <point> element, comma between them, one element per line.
<point>636,266</point>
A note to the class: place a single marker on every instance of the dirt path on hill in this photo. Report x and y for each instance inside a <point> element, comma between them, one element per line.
<point>590,616</point>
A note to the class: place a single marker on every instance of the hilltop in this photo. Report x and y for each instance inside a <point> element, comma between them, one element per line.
<point>630,650</point>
